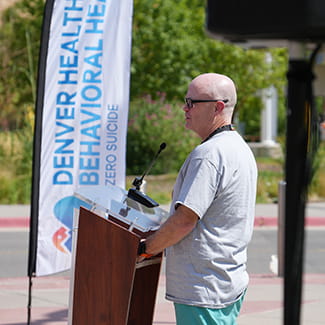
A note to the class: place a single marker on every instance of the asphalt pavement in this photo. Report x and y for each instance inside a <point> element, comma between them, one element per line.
<point>263,303</point>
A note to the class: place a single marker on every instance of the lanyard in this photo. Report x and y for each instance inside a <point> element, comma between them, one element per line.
<point>227,127</point>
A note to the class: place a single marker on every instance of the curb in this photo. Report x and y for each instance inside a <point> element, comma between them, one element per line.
<point>14,222</point>
<point>259,222</point>
<point>273,222</point>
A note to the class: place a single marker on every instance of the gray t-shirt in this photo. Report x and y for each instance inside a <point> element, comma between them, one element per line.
<point>218,180</point>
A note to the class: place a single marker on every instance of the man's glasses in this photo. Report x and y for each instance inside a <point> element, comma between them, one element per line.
<point>189,101</point>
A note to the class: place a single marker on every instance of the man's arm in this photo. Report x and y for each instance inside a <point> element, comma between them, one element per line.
<point>176,227</point>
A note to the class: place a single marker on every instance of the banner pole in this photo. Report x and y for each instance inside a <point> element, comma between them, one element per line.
<point>33,227</point>
<point>29,305</point>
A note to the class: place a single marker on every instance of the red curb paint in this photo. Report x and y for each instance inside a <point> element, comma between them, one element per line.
<point>14,222</point>
<point>273,221</point>
<point>315,221</point>
<point>265,221</point>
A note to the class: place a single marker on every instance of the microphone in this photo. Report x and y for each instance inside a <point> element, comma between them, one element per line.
<point>135,193</point>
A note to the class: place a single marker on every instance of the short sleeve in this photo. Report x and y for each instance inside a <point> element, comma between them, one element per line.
<point>199,187</point>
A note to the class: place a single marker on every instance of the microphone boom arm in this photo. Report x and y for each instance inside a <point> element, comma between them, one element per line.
<point>135,193</point>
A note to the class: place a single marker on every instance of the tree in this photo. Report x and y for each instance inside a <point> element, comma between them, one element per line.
<point>170,47</point>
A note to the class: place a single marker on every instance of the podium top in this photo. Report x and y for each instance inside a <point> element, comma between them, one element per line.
<point>113,200</point>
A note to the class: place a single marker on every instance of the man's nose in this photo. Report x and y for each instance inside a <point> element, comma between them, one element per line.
<point>185,108</point>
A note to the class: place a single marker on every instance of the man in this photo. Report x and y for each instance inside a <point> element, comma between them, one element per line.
<point>212,211</point>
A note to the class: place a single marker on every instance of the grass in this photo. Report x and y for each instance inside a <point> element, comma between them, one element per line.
<point>160,187</point>
<point>270,173</point>
<point>317,187</point>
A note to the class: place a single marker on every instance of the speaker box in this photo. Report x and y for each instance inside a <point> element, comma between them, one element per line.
<point>241,20</point>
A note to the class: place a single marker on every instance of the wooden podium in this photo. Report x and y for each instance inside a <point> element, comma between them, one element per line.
<point>109,287</point>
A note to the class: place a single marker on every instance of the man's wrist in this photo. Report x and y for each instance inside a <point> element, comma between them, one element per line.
<point>142,249</point>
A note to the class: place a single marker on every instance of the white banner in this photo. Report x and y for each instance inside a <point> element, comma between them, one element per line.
<point>85,111</point>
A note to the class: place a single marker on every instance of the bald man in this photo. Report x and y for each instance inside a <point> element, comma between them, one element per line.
<point>212,211</point>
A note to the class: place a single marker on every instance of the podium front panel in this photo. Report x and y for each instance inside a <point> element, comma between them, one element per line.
<point>104,271</point>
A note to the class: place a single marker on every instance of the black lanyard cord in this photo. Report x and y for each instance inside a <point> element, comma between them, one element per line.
<point>228,127</point>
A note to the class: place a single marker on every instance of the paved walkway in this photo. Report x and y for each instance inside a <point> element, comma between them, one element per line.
<point>263,303</point>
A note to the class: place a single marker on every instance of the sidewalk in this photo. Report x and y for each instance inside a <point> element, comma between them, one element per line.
<point>262,305</point>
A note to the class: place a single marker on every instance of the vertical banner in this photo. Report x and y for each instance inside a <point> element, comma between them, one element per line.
<point>81,118</point>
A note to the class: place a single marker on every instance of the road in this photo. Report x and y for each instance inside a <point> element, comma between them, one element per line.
<point>14,251</point>
<point>264,244</point>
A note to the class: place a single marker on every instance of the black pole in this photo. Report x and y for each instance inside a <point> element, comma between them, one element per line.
<point>29,303</point>
<point>298,168</point>
<point>33,227</point>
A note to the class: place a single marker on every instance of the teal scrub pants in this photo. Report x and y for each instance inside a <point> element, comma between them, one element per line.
<point>192,315</point>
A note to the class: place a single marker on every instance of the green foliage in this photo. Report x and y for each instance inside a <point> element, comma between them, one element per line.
<point>268,185</point>
<point>167,41</point>
<point>16,162</point>
<point>317,186</point>
<point>170,47</point>
<point>19,46</point>
<point>151,122</point>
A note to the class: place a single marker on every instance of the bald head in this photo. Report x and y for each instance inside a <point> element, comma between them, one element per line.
<point>214,97</point>
<point>215,86</point>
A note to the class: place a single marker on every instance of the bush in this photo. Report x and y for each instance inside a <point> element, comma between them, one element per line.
<point>16,167</point>
<point>152,122</point>
<point>16,150</point>
<point>317,186</point>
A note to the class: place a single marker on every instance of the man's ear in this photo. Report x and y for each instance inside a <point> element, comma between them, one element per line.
<point>219,106</point>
